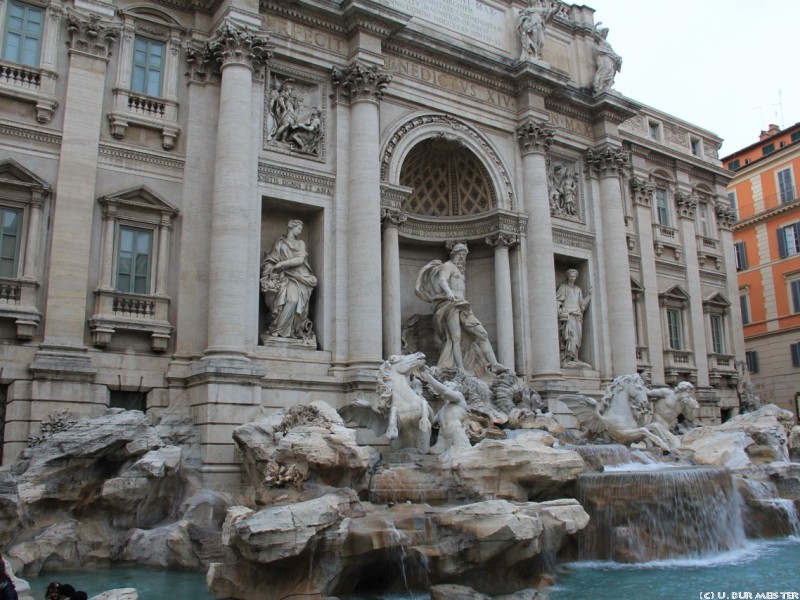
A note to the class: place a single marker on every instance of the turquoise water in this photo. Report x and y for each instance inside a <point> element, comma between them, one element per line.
<point>761,567</point>
<point>769,568</point>
<point>152,584</point>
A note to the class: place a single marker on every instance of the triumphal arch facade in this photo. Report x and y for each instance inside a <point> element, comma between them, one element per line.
<point>229,207</point>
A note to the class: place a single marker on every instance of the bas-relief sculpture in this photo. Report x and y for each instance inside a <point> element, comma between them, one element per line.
<point>287,282</point>
<point>465,343</point>
<point>563,187</point>
<point>572,303</point>
<point>285,126</point>
<point>607,62</point>
<point>531,25</point>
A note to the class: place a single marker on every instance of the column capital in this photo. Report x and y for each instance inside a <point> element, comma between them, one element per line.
<point>359,82</point>
<point>643,191</point>
<point>235,45</point>
<point>686,205</point>
<point>502,240</point>
<point>391,217</point>
<point>726,216</point>
<point>90,34</point>
<point>535,137</point>
<point>607,161</point>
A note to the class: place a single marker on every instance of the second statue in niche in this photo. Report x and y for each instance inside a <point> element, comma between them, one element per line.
<point>287,282</point>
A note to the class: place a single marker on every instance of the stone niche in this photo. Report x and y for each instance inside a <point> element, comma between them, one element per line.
<point>586,353</point>
<point>275,216</point>
<point>295,113</point>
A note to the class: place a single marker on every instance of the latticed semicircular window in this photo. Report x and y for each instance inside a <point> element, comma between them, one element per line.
<point>448,180</point>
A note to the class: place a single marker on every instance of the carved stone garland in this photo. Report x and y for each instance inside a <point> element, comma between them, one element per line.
<point>90,34</point>
<point>360,82</point>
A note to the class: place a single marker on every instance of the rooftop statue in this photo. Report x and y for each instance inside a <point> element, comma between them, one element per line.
<point>287,282</point>
<point>465,343</point>
<point>625,414</point>
<point>608,62</point>
<point>531,24</point>
<point>403,415</point>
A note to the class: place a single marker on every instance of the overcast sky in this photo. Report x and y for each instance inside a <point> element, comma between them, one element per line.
<point>724,65</point>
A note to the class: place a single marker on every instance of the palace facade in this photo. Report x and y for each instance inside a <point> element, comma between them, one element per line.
<point>153,151</point>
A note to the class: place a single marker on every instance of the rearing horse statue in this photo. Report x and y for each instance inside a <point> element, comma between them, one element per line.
<point>625,414</point>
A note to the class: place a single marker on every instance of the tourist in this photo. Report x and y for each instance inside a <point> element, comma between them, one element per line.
<point>52,591</point>
<point>7,589</point>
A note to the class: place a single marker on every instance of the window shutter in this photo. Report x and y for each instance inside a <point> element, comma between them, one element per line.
<point>796,354</point>
<point>795,286</point>
<point>782,250</point>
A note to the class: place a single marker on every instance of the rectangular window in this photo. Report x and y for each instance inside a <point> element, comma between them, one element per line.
<point>23,34</point>
<point>734,203</point>
<point>10,227</point>
<point>697,146</point>
<point>744,303</point>
<point>734,164</point>
<point>133,260</point>
<point>795,349</point>
<point>789,240</point>
<point>786,186</point>
<point>795,137</point>
<point>794,292</point>
<point>655,130</point>
<point>148,66</point>
<point>768,149</point>
<point>675,327</point>
<point>717,334</point>
<point>662,206</point>
<point>740,252</point>
<point>751,358</point>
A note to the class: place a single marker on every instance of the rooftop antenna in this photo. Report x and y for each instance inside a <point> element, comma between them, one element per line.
<point>780,106</point>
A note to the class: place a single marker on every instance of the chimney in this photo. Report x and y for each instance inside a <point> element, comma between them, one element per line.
<point>772,129</point>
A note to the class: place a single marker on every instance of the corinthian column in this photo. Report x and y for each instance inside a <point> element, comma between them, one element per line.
<point>502,292</point>
<point>238,54</point>
<point>608,164</point>
<point>543,361</point>
<point>362,87</point>
<point>392,219</point>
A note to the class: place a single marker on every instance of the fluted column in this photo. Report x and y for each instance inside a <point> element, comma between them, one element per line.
<point>608,164</point>
<point>237,53</point>
<point>392,321</point>
<point>362,87</point>
<point>503,297</point>
<point>543,362</point>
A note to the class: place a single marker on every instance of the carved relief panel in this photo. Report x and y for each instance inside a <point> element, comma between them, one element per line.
<point>565,190</point>
<point>295,114</point>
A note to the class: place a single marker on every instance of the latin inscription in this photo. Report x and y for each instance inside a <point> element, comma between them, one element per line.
<point>573,125</point>
<point>471,18</point>
<point>306,35</point>
<point>448,82</point>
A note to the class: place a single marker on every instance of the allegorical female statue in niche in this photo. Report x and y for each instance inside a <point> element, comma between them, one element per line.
<point>287,282</point>
<point>571,306</point>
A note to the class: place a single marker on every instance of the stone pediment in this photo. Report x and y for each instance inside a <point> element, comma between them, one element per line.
<point>140,198</point>
<point>14,174</point>
<point>675,294</point>
<point>717,300</point>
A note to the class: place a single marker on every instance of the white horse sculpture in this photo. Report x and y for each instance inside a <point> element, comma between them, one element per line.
<point>625,414</point>
<point>403,414</point>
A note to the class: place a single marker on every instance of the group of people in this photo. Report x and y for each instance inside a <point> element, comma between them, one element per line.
<point>55,591</point>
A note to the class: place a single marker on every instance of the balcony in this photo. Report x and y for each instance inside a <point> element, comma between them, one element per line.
<point>721,365</point>
<point>130,312</point>
<point>679,365</point>
<point>32,85</point>
<point>18,302</point>
<point>667,237</point>
<point>131,108</point>
<point>708,251</point>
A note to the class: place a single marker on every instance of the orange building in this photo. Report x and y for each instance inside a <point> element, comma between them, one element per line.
<point>767,247</point>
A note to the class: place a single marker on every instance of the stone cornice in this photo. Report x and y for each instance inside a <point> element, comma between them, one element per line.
<point>452,68</point>
<point>320,183</point>
<point>35,134</point>
<point>531,77</point>
<point>607,161</point>
<point>372,17</point>
<point>359,83</point>
<point>763,216</point>
<point>330,23</point>
<point>475,227</point>
<point>575,239</point>
<point>90,35</point>
<point>394,196</point>
<point>535,137</point>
